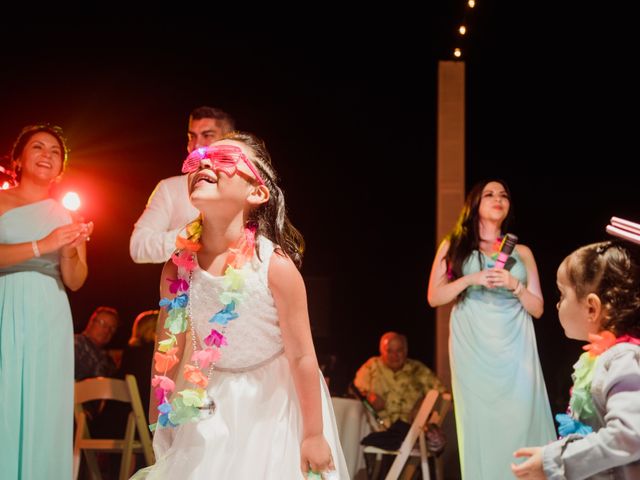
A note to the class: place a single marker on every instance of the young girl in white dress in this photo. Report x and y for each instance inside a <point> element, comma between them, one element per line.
<point>237,392</point>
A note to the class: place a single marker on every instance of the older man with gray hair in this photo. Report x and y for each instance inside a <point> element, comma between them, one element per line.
<point>393,384</point>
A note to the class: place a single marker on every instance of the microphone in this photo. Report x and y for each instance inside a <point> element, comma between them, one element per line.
<point>506,248</point>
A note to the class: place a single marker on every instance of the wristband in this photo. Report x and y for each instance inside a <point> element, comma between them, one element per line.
<point>34,246</point>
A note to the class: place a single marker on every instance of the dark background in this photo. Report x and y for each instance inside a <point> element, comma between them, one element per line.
<point>346,103</point>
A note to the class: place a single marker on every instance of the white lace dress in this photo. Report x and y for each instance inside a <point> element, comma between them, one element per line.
<point>256,429</point>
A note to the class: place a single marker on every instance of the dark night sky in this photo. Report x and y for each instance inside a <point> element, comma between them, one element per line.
<point>547,93</point>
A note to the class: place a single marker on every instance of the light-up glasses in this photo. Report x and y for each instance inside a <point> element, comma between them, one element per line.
<point>223,157</point>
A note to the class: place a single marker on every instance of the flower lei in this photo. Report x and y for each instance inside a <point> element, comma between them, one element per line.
<point>186,405</point>
<point>495,248</point>
<point>495,251</point>
<point>581,407</point>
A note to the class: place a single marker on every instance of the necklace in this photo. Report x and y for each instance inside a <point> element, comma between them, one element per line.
<point>495,247</point>
<point>209,404</point>
<point>195,403</point>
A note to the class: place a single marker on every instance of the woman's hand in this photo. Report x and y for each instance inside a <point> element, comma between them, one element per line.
<point>73,256</point>
<point>315,455</point>
<point>499,277</point>
<point>85,233</point>
<point>483,278</point>
<point>62,236</point>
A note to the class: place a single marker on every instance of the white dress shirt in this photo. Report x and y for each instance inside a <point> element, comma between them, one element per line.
<point>168,211</point>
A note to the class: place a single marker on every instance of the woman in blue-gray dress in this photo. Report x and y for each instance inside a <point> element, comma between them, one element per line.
<point>42,250</point>
<point>498,389</point>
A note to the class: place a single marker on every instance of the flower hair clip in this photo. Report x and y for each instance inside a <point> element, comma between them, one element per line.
<point>625,229</point>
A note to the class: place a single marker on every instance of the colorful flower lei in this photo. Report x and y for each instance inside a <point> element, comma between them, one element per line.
<point>495,251</point>
<point>187,404</point>
<point>581,407</point>
<point>495,248</point>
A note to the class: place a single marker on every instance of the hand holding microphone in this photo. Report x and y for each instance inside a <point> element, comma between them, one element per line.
<point>506,249</point>
<point>499,276</point>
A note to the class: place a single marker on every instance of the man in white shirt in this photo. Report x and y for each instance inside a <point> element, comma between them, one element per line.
<point>168,210</point>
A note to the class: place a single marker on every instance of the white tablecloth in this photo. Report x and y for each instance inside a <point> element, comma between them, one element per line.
<point>351,419</point>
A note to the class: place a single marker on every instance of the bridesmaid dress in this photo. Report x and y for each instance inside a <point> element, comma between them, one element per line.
<point>36,353</point>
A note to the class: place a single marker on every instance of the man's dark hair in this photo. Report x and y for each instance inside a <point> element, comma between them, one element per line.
<point>215,113</point>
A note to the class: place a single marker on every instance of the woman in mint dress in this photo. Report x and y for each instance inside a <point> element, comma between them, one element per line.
<point>499,393</point>
<point>42,251</point>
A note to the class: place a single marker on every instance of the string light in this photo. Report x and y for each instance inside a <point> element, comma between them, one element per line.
<point>7,178</point>
<point>462,29</point>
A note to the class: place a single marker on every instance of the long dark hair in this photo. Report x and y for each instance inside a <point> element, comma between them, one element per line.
<point>465,236</point>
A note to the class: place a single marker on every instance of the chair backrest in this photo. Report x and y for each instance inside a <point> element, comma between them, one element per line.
<point>441,409</point>
<point>102,388</point>
<point>140,418</point>
<point>417,427</point>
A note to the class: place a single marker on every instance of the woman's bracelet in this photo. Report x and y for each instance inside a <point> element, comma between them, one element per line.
<point>34,247</point>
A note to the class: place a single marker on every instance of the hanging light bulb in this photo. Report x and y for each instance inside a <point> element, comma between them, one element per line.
<point>457,52</point>
<point>462,29</point>
<point>471,3</point>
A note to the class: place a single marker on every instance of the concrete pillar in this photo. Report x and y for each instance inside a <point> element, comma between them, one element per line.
<point>450,181</point>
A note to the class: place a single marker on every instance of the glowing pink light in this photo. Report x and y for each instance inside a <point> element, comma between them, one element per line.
<point>71,201</point>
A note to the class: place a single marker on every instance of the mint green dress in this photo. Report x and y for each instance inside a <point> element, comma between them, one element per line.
<point>36,353</point>
<point>499,393</point>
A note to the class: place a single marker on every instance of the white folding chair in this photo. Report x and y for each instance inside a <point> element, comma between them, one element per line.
<point>437,417</point>
<point>407,449</point>
<point>101,388</point>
